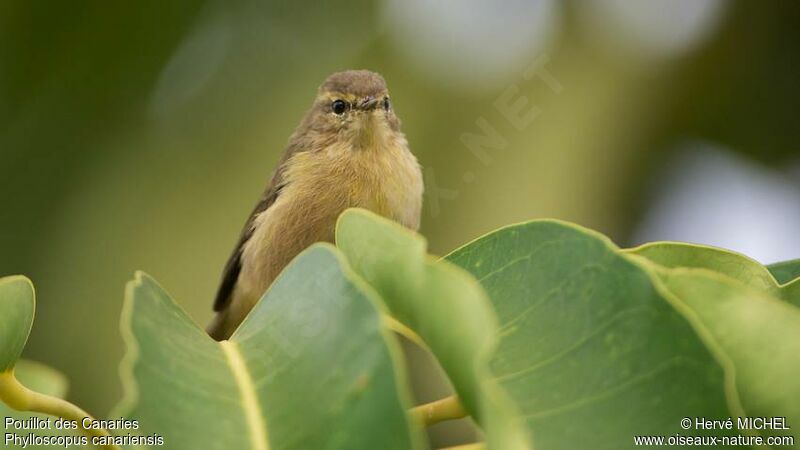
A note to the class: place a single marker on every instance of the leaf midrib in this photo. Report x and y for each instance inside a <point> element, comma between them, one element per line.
<point>256,421</point>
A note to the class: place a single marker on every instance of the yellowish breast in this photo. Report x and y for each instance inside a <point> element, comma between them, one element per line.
<point>386,180</point>
<point>320,185</point>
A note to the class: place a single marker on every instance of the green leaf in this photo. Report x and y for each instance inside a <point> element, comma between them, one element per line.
<point>725,262</point>
<point>17,306</point>
<point>41,378</point>
<point>45,380</point>
<point>785,271</point>
<point>445,306</point>
<point>17,309</point>
<point>310,368</point>
<point>590,349</point>
<point>734,265</point>
<point>756,338</point>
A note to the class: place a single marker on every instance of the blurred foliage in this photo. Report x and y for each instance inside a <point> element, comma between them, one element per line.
<point>138,135</point>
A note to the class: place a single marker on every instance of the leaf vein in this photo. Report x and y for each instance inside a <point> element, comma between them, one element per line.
<point>256,422</point>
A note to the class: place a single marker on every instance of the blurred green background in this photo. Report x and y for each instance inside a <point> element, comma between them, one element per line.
<point>138,135</point>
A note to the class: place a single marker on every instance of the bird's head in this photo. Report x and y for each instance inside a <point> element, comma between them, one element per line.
<point>354,106</point>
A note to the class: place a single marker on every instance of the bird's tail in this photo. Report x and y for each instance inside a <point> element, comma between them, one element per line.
<point>218,329</point>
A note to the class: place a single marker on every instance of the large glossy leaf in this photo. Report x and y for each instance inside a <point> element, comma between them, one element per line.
<point>310,368</point>
<point>735,304</point>
<point>17,307</point>
<point>590,349</point>
<point>734,265</point>
<point>785,271</point>
<point>754,336</point>
<point>725,262</point>
<point>445,306</point>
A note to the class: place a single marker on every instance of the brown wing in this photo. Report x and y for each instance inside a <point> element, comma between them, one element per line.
<point>234,265</point>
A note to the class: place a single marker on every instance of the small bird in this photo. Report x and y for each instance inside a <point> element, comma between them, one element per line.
<point>348,151</point>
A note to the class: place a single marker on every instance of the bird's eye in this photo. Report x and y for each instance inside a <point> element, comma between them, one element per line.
<point>386,103</point>
<point>339,107</point>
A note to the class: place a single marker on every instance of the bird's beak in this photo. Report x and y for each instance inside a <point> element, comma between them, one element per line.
<point>368,103</point>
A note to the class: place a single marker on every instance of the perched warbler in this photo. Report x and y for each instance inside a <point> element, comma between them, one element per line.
<point>348,151</point>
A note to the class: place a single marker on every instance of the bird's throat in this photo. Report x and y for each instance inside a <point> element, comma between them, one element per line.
<point>371,133</point>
